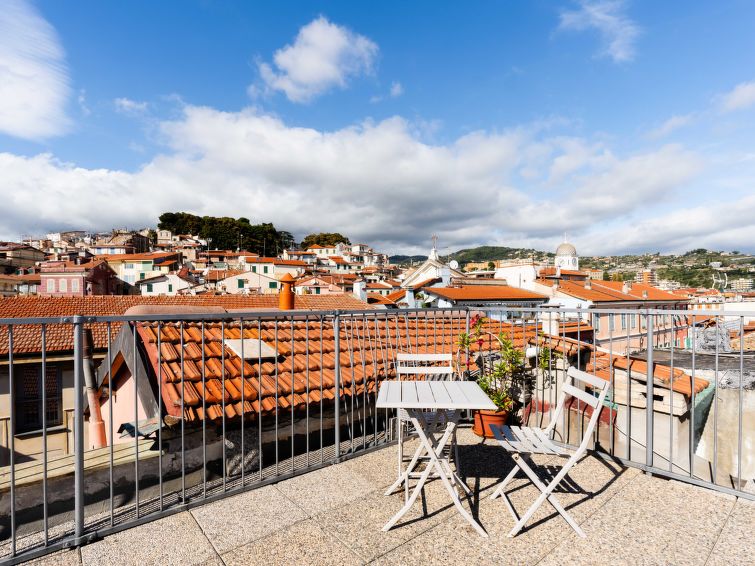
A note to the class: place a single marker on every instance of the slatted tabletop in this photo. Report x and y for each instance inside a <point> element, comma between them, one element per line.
<point>432,395</point>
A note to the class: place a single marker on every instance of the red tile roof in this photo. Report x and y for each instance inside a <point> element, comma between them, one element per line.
<point>277,261</point>
<point>27,338</point>
<point>220,274</point>
<point>425,283</point>
<point>485,293</point>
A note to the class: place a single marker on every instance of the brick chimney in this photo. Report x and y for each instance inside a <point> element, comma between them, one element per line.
<point>286,296</point>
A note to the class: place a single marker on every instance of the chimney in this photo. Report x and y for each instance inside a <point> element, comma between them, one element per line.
<point>588,284</point>
<point>360,291</point>
<point>644,294</point>
<point>286,296</point>
<point>445,275</point>
<point>626,287</point>
<point>97,438</point>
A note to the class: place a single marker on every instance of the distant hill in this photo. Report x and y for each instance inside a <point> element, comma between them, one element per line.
<point>492,253</point>
<point>481,253</point>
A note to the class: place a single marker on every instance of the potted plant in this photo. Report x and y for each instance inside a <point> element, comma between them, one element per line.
<point>495,378</point>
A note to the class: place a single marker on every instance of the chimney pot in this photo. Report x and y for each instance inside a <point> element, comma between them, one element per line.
<point>286,296</point>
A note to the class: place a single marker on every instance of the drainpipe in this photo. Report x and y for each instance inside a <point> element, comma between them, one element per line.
<point>97,438</point>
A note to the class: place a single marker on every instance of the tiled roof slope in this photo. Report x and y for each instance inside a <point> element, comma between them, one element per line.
<point>485,293</point>
<point>28,340</point>
<point>305,368</point>
<point>304,371</point>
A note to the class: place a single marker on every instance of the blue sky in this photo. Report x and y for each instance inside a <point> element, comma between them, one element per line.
<point>627,125</point>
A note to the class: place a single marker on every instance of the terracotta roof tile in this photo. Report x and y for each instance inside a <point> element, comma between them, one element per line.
<point>485,293</point>
<point>27,338</point>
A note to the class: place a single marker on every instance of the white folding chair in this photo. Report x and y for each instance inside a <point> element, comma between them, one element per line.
<point>430,367</point>
<point>522,442</point>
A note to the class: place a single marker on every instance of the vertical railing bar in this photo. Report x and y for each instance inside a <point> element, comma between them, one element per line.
<point>159,410</point>
<point>306,360</point>
<point>715,405</point>
<point>671,404</point>
<point>204,414</point>
<point>629,387</point>
<point>612,380</point>
<point>435,332</point>
<point>136,421</point>
<point>690,446</point>
<point>277,387</point>
<point>293,394</point>
<point>562,319</point>
<point>579,366</point>
<point>259,397</point>
<point>110,412</point>
<point>741,391</point>
<point>183,416</point>
<point>322,323</point>
<point>375,378</point>
<point>12,435</point>
<point>224,393</point>
<point>243,399</point>
<point>350,345</point>
<point>364,384</point>
<point>649,402</point>
<point>337,369</point>
<point>44,431</point>
<point>78,408</point>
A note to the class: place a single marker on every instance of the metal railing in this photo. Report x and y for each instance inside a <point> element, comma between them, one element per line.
<point>200,406</point>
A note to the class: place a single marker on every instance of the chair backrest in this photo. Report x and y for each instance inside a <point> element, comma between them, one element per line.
<point>569,387</point>
<point>431,367</point>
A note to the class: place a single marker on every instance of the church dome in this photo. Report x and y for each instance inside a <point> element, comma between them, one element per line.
<point>567,250</point>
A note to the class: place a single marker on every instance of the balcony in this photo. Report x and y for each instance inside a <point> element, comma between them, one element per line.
<point>254,436</point>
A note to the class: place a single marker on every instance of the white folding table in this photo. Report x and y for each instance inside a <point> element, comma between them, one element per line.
<point>419,396</point>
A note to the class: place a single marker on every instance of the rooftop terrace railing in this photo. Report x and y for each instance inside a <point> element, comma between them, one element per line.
<point>196,407</point>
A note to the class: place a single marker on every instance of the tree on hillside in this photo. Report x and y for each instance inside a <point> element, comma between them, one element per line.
<point>228,233</point>
<point>327,239</point>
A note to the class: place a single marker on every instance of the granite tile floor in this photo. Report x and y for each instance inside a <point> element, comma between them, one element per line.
<point>335,515</point>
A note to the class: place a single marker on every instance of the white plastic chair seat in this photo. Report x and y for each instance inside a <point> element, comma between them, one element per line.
<point>527,440</point>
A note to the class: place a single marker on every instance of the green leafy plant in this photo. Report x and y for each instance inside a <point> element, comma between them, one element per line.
<point>495,379</point>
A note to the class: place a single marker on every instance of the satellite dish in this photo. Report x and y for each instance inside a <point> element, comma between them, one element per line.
<point>453,264</point>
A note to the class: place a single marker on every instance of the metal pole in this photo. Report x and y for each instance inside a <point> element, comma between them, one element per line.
<point>337,408</point>
<point>649,401</point>
<point>78,433</point>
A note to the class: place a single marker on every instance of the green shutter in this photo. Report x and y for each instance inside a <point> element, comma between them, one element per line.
<point>272,285</point>
<point>240,283</point>
<point>149,287</point>
<point>170,288</point>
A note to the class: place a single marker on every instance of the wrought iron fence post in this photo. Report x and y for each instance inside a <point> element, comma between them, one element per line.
<point>78,423</point>
<point>650,389</point>
<point>337,408</point>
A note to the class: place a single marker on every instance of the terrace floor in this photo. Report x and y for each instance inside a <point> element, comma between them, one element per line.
<point>334,516</point>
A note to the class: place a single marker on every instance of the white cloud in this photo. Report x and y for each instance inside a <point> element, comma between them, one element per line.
<point>741,97</point>
<point>34,83</point>
<point>618,32</point>
<point>375,181</point>
<point>130,107</point>
<point>670,125</point>
<point>324,55</point>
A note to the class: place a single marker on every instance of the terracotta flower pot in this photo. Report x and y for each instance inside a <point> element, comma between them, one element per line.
<point>484,418</point>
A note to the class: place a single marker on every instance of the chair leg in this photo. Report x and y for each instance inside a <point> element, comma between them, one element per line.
<point>500,490</point>
<point>546,494</point>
